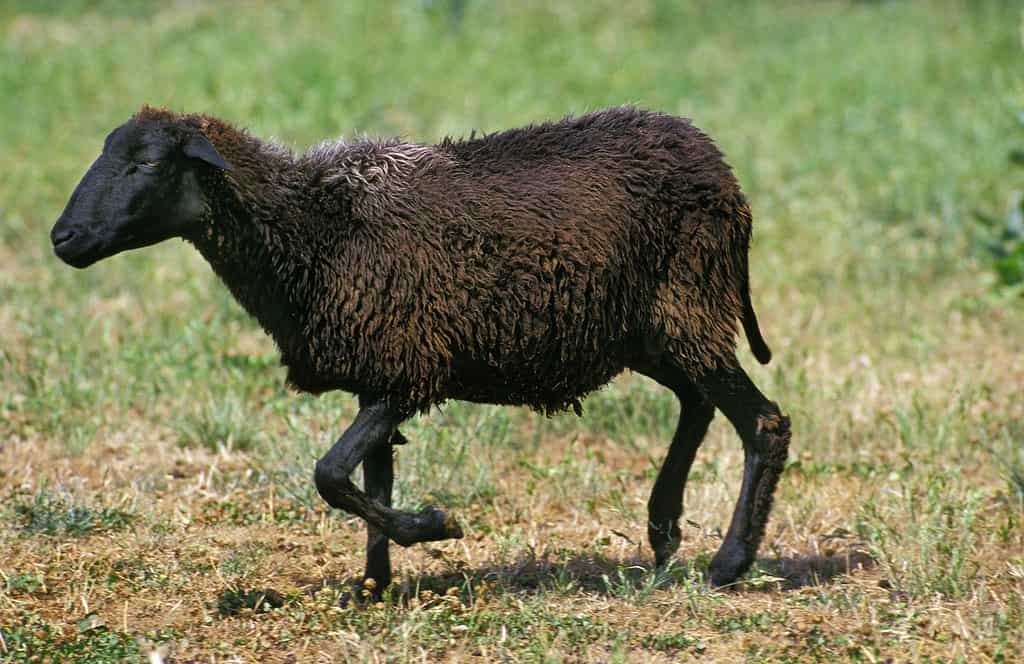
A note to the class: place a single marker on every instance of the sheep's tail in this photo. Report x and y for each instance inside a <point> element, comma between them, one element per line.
<point>757,343</point>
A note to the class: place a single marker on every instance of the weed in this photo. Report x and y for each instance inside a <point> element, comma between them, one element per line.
<point>1015,480</point>
<point>219,423</point>
<point>1010,457</point>
<point>751,622</point>
<point>58,513</point>
<point>1002,240</point>
<point>230,602</point>
<point>22,583</point>
<point>939,519</point>
<point>637,584</point>
<point>450,457</point>
<point>31,639</point>
<point>673,642</point>
<point>240,564</point>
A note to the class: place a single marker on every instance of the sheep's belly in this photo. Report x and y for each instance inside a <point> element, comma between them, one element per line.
<point>545,384</point>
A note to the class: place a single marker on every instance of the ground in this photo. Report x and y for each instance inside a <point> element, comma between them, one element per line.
<point>156,491</point>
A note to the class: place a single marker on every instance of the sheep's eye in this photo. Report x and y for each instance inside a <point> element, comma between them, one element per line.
<point>150,164</point>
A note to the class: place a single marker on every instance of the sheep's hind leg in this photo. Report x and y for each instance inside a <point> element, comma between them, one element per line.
<point>765,434</point>
<point>666,503</point>
<point>366,440</point>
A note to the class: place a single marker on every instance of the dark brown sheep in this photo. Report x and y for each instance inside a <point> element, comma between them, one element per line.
<point>527,267</point>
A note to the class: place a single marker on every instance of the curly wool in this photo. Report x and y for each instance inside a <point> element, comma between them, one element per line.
<point>528,267</point>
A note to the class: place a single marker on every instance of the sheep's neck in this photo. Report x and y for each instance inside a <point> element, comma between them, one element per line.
<point>249,242</point>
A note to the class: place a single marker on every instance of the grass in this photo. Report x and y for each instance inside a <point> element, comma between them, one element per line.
<point>156,475</point>
<point>51,513</point>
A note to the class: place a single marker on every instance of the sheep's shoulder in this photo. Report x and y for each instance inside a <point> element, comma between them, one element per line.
<point>370,166</point>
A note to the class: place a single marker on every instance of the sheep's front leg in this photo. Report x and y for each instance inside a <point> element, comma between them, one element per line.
<point>378,478</point>
<point>368,434</point>
<point>666,503</point>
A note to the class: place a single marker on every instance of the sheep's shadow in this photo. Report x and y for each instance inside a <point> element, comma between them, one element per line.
<point>623,577</point>
<point>816,569</point>
<point>611,576</point>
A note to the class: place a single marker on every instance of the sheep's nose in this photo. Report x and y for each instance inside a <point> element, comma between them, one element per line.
<point>61,235</point>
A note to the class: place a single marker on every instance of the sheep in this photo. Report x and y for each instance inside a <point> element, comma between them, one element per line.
<point>526,267</point>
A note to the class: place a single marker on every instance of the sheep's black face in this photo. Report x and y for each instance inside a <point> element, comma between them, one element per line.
<point>143,188</point>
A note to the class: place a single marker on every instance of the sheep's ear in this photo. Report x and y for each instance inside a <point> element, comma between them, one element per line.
<point>199,147</point>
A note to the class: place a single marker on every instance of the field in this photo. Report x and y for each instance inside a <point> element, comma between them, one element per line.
<point>155,474</point>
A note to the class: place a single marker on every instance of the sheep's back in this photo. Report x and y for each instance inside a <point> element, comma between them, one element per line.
<point>523,267</point>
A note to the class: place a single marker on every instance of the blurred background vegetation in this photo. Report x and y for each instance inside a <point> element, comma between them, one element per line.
<point>879,143</point>
<point>890,113</point>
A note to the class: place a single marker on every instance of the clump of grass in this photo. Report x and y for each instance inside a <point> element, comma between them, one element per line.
<point>240,564</point>
<point>32,639</point>
<point>674,643</point>
<point>21,583</point>
<point>234,571</point>
<point>638,584</point>
<point>219,424</point>
<point>1015,480</point>
<point>450,457</point>
<point>232,601</point>
<point>58,513</point>
<point>1008,454</point>
<point>626,413</point>
<point>924,536</point>
<point>1002,237</point>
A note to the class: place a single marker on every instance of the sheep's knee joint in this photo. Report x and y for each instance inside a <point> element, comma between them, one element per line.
<point>330,484</point>
<point>773,434</point>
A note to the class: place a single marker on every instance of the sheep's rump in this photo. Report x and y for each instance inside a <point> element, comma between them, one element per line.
<point>533,265</point>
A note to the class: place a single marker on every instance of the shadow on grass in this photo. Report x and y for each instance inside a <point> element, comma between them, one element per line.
<point>624,578</point>
<point>816,570</point>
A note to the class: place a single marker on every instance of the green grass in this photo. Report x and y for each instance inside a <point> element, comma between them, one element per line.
<point>57,513</point>
<point>146,435</point>
<point>33,639</point>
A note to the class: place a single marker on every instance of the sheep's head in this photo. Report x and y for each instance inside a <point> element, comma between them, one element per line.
<point>143,188</point>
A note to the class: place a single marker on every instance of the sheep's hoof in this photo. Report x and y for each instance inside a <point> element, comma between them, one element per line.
<point>726,567</point>
<point>439,525</point>
<point>429,525</point>
<point>362,595</point>
<point>664,553</point>
<point>664,541</point>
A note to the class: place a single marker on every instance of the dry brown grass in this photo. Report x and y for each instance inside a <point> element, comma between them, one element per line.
<point>559,542</point>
